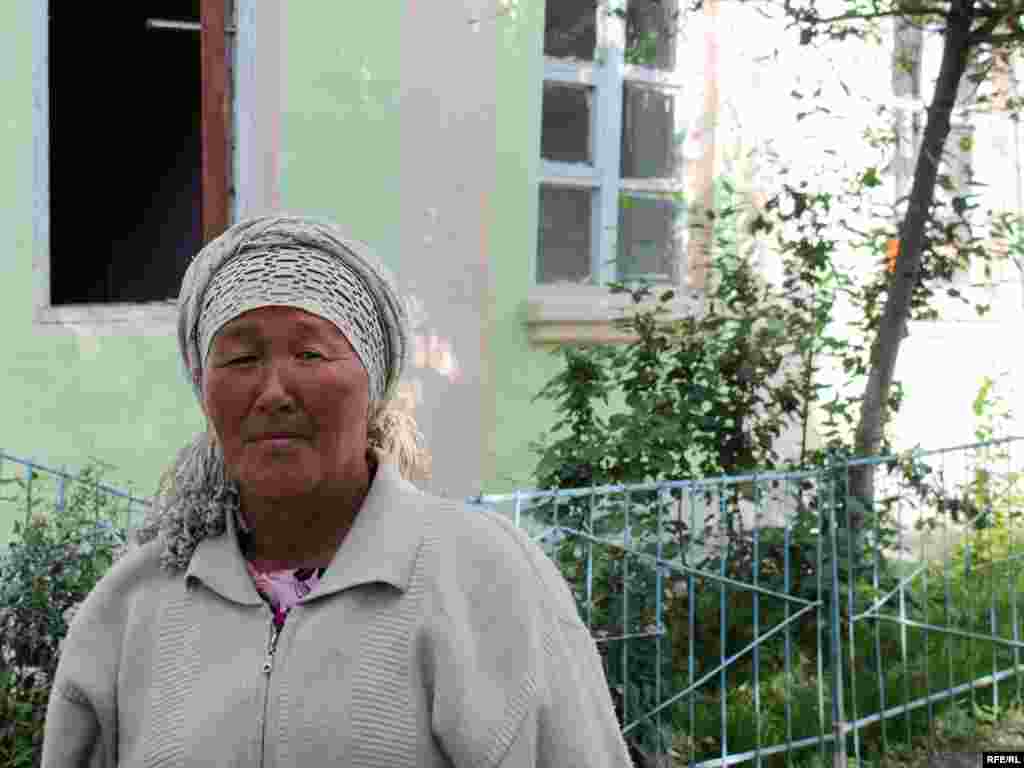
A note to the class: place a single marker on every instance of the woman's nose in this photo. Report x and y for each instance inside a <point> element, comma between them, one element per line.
<point>275,385</point>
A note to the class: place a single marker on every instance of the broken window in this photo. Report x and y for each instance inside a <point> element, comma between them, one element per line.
<point>126,176</point>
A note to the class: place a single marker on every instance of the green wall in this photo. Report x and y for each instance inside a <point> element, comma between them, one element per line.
<point>123,399</point>
<point>520,367</point>
<point>65,398</point>
<point>339,117</point>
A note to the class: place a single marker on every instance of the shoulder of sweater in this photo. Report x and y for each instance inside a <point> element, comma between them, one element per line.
<point>474,540</point>
<point>138,570</point>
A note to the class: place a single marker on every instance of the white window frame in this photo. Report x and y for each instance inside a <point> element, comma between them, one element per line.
<point>583,313</point>
<point>256,109</point>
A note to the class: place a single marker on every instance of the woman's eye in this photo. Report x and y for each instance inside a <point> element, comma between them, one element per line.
<point>311,352</point>
<point>245,359</point>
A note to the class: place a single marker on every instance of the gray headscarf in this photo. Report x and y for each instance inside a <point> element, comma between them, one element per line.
<point>280,261</point>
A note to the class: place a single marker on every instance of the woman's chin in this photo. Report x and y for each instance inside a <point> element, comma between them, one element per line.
<point>276,482</point>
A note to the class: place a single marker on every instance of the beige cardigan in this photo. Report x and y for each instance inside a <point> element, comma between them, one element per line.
<point>440,636</point>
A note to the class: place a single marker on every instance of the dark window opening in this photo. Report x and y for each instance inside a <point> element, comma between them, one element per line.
<point>570,29</point>
<point>565,124</point>
<point>125,151</point>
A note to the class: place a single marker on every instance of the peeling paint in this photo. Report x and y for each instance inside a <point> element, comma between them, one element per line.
<point>365,77</point>
<point>88,344</point>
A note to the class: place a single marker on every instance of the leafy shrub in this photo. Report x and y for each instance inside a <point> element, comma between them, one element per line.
<point>707,395</point>
<point>48,570</point>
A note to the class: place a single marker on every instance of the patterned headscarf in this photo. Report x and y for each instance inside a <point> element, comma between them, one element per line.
<point>295,262</point>
<point>281,261</point>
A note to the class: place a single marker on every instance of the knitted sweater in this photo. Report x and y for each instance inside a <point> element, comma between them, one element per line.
<point>439,636</point>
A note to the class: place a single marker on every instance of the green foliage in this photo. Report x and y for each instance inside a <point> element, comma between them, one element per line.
<point>48,570</point>
<point>995,491</point>
<point>705,394</point>
<point>709,394</point>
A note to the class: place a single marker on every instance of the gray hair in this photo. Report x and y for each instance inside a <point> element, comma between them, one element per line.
<point>261,262</point>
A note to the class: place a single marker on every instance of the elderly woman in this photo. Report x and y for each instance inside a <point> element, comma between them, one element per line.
<point>294,600</point>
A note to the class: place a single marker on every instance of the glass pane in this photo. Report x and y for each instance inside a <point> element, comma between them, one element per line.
<point>649,144</point>
<point>650,242</point>
<point>652,28</point>
<point>563,238</point>
<point>565,124</point>
<point>570,29</point>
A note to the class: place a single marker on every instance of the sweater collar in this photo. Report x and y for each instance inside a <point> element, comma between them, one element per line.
<point>381,545</point>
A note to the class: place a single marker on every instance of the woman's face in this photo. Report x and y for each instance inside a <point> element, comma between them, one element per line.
<point>288,398</point>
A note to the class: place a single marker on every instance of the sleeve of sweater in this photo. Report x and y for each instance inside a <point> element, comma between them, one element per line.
<point>572,721</point>
<point>71,735</point>
<point>81,713</point>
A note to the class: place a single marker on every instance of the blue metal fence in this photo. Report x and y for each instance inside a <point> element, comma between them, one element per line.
<point>35,486</point>
<point>792,635</point>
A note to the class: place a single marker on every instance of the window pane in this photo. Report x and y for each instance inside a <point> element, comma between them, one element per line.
<point>570,31</point>
<point>649,147</point>
<point>651,33</point>
<point>565,124</point>
<point>650,244</point>
<point>563,241</point>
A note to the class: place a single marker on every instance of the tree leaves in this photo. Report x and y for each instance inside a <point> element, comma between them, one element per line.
<point>870,178</point>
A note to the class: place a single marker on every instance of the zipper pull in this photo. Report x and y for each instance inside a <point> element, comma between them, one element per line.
<point>268,662</point>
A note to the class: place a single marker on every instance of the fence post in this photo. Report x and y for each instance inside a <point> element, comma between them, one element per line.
<point>28,495</point>
<point>829,509</point>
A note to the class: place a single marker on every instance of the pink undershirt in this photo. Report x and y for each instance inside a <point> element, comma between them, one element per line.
<point>281,588</point>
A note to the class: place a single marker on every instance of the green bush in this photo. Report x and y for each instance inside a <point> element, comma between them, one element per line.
<point>709,395</point>
<point>47,571</point>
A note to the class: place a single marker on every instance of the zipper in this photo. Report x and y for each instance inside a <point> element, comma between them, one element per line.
<point>275,632</point>
<point>268,666</point>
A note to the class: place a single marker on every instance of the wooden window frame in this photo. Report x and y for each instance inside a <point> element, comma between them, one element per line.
<point>216,117</point>
<point>217,101</point>
<point>560,313</point>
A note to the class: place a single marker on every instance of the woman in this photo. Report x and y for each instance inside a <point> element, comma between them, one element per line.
<point>294,601</point>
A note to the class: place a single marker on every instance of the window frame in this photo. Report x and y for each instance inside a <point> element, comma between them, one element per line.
<point>608,75</point>
<point>221,46</point>
<point>557,313</point>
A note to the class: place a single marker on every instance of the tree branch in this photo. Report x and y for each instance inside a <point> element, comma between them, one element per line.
<point>923,11</point>
<point>983,34</point>
<point>1001,40</point>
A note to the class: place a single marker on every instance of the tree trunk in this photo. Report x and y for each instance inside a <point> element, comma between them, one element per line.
<point>893,326</point>
<point>908,44</point>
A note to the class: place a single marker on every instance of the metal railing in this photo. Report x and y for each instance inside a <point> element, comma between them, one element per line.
<point>35,485</point>
<point>791,621</point>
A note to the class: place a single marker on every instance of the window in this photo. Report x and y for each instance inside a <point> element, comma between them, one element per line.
<point>611,138</point>
<point>134,171</point>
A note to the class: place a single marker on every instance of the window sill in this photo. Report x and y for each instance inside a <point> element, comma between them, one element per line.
<point>158,318</point>
<point>583,314</point>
